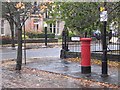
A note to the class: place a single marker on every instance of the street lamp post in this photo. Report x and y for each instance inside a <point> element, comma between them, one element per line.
<point>45,27</point>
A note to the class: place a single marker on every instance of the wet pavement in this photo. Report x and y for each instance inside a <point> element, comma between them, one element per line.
<point>72,69</point>
<point>55,73</point>
<point>27,79</point>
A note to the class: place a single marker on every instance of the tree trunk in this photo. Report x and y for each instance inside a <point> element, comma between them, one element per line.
<point>19,51</point>
<point>12,34</point>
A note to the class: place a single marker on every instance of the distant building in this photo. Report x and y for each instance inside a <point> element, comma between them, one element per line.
<point>4,27</point>
<point>34,23</point>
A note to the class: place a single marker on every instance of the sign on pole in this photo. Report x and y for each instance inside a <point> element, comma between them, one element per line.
<point>75,38</point>
<point>103,16</point>
<point>102,9</point>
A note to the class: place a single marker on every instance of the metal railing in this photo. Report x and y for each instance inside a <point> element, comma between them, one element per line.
<point>113,47</point>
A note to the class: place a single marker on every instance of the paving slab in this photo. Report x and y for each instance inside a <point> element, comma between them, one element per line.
<point>73,69</point>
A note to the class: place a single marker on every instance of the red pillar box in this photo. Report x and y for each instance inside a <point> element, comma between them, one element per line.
<point>85,55</point>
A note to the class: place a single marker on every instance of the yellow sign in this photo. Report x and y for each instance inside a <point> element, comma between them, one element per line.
<point>102,9</point>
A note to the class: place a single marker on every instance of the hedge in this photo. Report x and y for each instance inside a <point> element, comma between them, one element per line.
<point>5,40</point>
<point>40,35</point>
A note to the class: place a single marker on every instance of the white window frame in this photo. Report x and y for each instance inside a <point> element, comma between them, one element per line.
<point>57,28</point>
<point>2,27</point>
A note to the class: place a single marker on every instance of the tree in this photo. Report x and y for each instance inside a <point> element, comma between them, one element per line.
<point>113,14</point>
<point>77,16</point>
<point>81,16</point>
<point>7,16</point>
<point>16,12</point>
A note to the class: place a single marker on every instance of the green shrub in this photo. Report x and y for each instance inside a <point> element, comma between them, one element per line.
<point>5,40</point>
<point>39,35</point>
<point>60,37</point>
<point>71,34</point>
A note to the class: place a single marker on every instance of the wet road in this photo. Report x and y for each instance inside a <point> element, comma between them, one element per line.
<point>7,53</point>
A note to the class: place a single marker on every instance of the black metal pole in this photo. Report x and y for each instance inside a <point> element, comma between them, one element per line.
<point>62,39</point>
<point>45,36</point>
<point>65,40</point>
<point>104,58</point>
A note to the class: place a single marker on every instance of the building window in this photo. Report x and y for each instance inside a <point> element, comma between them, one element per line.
<point>2,26</point>
<point>36,27</point>
<point>54,28</point>
<point>46,14</point>
<point>58,25</point>
<point>36,24</point>
<point>2,23</point>
<point>2,30</point>
<point>51,27</point>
